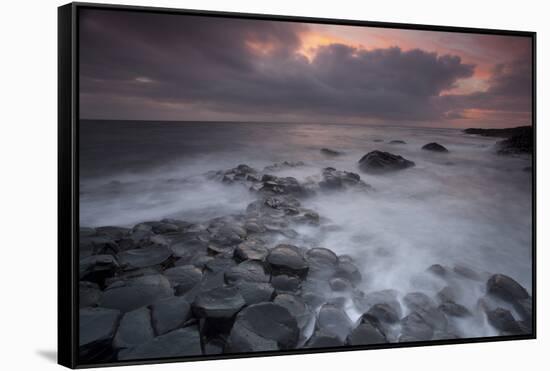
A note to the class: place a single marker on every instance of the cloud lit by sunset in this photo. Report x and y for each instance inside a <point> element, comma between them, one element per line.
<point>236,69</point>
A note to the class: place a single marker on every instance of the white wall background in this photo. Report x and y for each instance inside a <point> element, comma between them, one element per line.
<point>28,183</point>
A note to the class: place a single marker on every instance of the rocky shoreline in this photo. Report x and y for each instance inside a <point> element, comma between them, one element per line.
<point>519,140</point>
<point>249,282</point>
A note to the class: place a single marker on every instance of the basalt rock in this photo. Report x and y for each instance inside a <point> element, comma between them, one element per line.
<point>506,288</point>
<point>97,326</point>
<point>135,328</point>
<point>178,343</point>
<point>287,259</point>
<point>251,250</point>
<point>348,271</point>
<point>434,147</point>
<point>220,302</point>
<point>266,326</point>
<point>146,257</point>
<point>503,320</point>
<point>378,162</point>
<point>453,309</point>
<point>97,268</point>
<point>323,339</point>
<point>366,333</point>
<point>285,284</point>
<point>415,328</point>
<point>130,294</point>
<point>248,270</point>
<point>333,320</point>
<point>169,314</point>
<point>385,312</point>
<point>183,277</point>
<point>331,152</point>
<point>255,292</point>
<point>273,185</point>
<point>88,294</point>
<point>278,166</point>
<point>522,143</point>
<point>333,179</point>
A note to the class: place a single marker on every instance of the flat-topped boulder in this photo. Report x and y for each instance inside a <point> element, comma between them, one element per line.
<point>323,339</point>
<point>255,292</point>
<point>251,250</point>
<point>284,283</point>
<point>321,257</point>
<point>219,302</point>
<point>386,312</point>
<point>333,320</point>
<point>130,294</point>
<point>97,325</point>
<point>434,147</point>
<point>296,306</point>
<point>377,162</point>
<point>397,141</point>
<point>287,259</point>
<point>415,328</point>
<point>269,322</point>
<point>348,271</point>
<point>248,270</point>
<point>144,257</point>
<point>170,313</point>
<point>183,277</point>
<point>135,328</point>
<point>178,343</point>
<point>189,248</point>
<point>245,340</point>
<point>366,333</point>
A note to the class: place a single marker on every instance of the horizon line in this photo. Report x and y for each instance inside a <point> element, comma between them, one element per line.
<point>300,122</point>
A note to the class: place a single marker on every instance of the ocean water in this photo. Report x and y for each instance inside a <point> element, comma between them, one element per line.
<point>469,206</point>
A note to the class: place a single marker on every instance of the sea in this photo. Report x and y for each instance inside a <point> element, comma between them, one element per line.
<point>469,206</point>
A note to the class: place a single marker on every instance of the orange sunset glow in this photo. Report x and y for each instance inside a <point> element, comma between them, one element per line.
<point>278,71</point>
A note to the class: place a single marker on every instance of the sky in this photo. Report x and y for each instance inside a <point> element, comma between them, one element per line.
<point>152,66</point>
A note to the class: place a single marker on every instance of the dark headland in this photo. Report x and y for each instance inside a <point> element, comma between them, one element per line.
<point>518,140</point>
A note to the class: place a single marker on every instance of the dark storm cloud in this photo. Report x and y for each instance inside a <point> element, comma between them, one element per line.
<point>137,65</point>
<point>510,87</point>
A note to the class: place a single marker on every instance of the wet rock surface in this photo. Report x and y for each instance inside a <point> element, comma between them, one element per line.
<point>333,179</point>
<point>287,259</point>
<point>269,321</point>
<point>178,343</point>
<point>255,281</point>
<point>135,328</point>
<point>331,152</point>
<point>519,140</point>
<point>434,147</point>
<point>377,162</point>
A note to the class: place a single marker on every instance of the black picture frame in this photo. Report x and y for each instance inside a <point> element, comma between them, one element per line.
<point>68,175</point>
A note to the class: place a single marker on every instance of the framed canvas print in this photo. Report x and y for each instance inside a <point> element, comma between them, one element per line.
<point>236,185</point>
